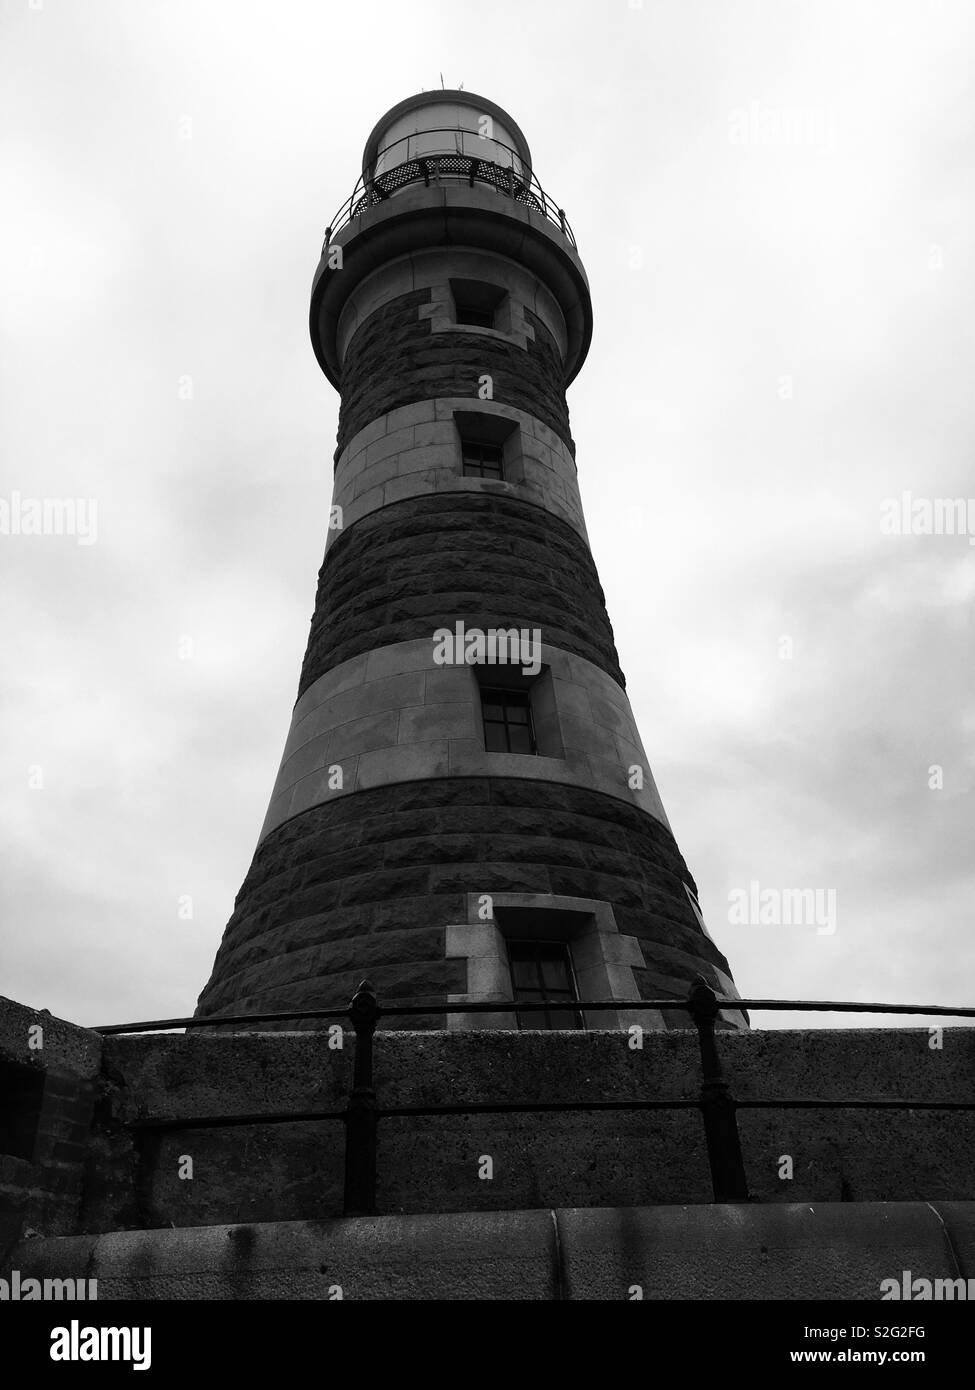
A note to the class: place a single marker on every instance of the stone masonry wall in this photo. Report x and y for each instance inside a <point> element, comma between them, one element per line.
<point>396,359</point>
<point>365,885</point>
<point>419,565</point>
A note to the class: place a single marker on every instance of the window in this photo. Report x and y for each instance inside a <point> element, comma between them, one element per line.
<point>482,460</point>
<point>508,726</point>
<point>542,970</point>
<point>490,446</point>
<point>476,303</point>
<point>476,318</point>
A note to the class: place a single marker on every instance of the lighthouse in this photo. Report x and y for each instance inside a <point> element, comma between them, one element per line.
<point>464,810</point>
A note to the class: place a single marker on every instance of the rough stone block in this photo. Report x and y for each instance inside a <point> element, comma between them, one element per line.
<point>419,413</point>
<point>789,1251</point>
<point>470,1256</point>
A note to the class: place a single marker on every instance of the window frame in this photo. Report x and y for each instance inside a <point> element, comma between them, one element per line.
<point>532,949</point>
<point>511,697</point>
<point>480,446</point>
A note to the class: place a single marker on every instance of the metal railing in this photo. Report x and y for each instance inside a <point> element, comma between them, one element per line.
<point>715,1101</point>
<point>449,164</point>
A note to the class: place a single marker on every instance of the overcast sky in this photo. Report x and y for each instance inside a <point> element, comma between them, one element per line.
<point>775,205</point>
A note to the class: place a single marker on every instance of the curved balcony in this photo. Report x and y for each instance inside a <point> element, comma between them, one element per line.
<point>438,166</point>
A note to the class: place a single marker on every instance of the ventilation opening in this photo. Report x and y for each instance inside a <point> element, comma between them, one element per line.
<point>22,1089</point>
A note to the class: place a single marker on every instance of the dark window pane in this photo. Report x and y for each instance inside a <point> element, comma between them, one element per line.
<point>479,318</point>
<point>519,739</point>
<point>507,721</point>
<point>540,970</point>
<point>555,973</point>
<point>495,740</point>
<point>524,975</point>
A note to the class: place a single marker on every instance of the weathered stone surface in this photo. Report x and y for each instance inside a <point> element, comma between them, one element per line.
<point>470,1256</point>
<point>367,885</point>
<point>661,1253</point>
<point>395,360</point>
<point>48,1070</point>
<point>831,1251</point>
<point>416,566</point>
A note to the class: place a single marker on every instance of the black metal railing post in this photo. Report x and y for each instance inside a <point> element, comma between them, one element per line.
<point>361,1118</point>
<point>718,1108</point>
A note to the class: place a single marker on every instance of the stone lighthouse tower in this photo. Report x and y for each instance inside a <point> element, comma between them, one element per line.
<point>464,809</point>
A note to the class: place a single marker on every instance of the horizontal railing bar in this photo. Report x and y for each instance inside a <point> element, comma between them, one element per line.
<point>274,1117</point>
<point>406,1009</point>
<point>160,1024</point>
<point>475,1108</point>
<point>513,1006</point>
<point>554,1107</point>
<point>854,1104</point>
<point>829,1006</point>
<point>524,1107</point>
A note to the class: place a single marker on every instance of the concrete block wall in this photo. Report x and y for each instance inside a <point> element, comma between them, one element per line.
<point>294,1171</point>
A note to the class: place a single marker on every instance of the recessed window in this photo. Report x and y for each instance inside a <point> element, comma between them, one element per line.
<point>490,446</point>
<point>508,726</point>
<point>476,318</point>
<point>476,303</point>
<point>542,971</point>
<point>482,460</point>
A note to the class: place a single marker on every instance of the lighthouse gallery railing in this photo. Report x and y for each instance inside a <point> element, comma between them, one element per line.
<point>446,165</point>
